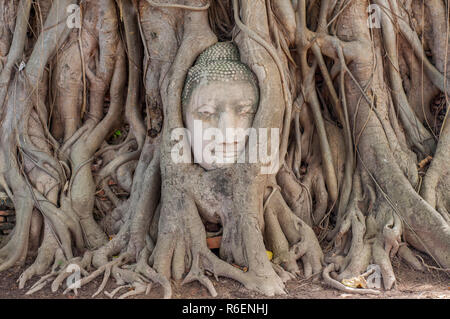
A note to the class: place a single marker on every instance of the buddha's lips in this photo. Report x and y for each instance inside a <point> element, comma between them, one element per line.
<point>226,155</point>
<point>226,151</point>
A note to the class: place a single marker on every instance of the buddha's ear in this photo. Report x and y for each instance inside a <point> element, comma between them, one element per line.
<point>183,110</point>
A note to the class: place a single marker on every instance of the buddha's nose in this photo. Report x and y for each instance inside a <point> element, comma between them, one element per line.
<point>227,120</point>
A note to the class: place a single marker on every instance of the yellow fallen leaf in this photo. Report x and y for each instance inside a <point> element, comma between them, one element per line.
<point>269,254</point>
<point>355,282</point>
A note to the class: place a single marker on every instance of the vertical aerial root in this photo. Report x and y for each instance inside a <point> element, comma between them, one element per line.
<point>381,258</point>
<point>296,194</point>
<point>48,251</point>
<point>352,252</point>
<point>301,240</point>
<point>18,244</point>
<point>407,255</point>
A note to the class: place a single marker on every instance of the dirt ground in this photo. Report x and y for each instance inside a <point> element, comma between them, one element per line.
<point>410,285</point>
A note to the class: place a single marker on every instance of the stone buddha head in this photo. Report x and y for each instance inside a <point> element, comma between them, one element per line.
<point>220,99</point>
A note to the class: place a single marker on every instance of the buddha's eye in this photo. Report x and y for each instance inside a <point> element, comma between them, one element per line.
<point>206,111</point>
<point>247,110</point>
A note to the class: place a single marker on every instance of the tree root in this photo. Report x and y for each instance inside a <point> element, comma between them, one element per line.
<point>337,285</point>
<point>347,154</point>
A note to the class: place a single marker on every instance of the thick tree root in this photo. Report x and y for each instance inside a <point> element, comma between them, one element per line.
<point>337,285</point>
<point>76,144</point>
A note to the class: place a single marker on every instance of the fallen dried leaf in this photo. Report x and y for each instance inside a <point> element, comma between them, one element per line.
<point>355,282</point>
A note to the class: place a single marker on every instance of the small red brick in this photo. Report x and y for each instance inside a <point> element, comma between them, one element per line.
<point>6,212</point>
<point>6,226</point>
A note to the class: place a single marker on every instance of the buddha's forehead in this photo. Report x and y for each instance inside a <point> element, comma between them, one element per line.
<point>218,93</point>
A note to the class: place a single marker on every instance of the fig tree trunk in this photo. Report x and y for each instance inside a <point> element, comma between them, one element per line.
<point>91,92</point>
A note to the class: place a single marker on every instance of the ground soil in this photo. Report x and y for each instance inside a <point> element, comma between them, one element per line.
<point>411,284</point>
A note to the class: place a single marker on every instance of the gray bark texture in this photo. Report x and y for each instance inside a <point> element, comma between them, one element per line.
<point>86,121</point>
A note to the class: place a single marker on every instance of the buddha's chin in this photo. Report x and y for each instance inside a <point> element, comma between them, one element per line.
<point>218,160</point>
<point>213,166</point>
<point>225,161</point>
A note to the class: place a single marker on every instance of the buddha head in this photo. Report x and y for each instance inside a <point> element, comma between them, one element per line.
<point>220,99</point>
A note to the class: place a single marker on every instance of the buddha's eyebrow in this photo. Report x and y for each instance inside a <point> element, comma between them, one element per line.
<point>246,103</point>
<point>206,105</point>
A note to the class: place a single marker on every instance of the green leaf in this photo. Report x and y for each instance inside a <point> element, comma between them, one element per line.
<point>117,133</point>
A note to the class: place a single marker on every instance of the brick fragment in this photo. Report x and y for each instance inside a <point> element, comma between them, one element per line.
<point>6,212</point>
<point>6,226</point>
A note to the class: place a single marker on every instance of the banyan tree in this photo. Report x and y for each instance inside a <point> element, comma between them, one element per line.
<point>115,152</point>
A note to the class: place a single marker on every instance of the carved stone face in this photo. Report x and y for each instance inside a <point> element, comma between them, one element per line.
<point>221,107</point>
